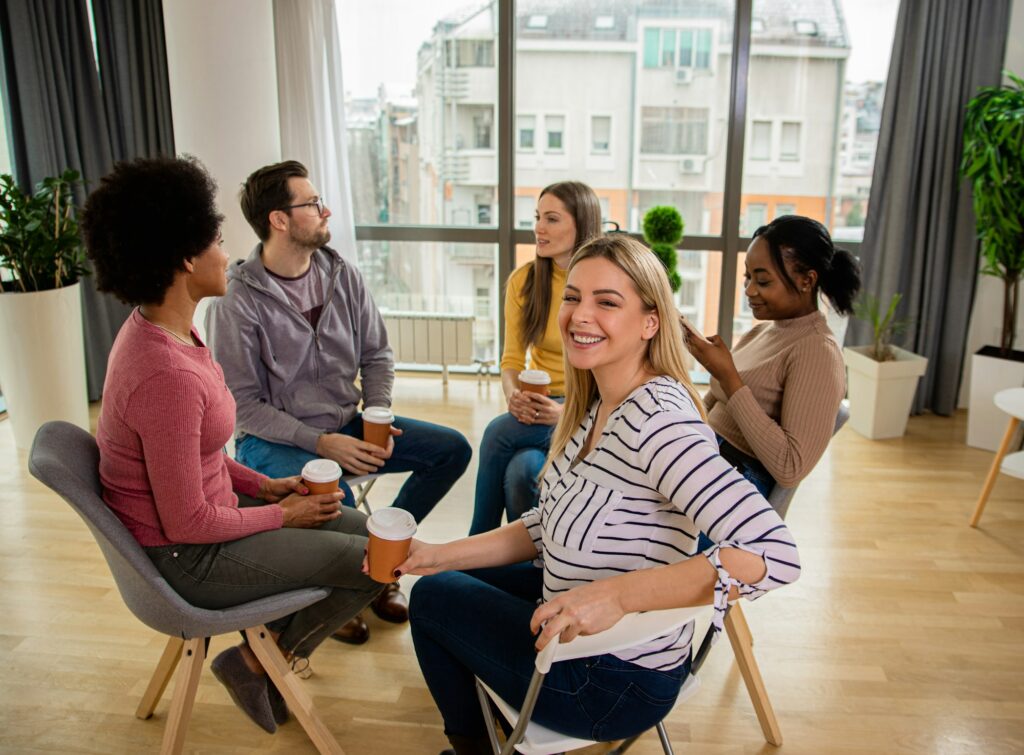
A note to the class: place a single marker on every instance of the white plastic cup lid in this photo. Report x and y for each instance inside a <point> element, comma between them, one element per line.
<point>379,415</point>
<point>321,470</point>
<point>391,524</point>
<point>535,377</point>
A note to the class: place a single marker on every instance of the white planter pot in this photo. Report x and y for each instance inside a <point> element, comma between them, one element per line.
<point>881,393</point>
<point>42,360</point>
<point>990,373</point>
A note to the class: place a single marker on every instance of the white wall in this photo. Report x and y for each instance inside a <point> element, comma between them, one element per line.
<point>987,316</point>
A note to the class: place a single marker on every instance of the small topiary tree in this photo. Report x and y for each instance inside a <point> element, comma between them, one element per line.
<point>663,230</point>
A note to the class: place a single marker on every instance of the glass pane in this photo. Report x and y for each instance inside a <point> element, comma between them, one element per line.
<point>697,297</point>
<point>439,278</point>
<point>420,110</point>
<point>817,80</point>
<point>666,125</point>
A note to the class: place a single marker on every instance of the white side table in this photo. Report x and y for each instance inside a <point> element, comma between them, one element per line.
<point>1010,401</point>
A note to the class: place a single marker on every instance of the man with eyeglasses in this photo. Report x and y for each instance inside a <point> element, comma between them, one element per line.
<point>295,331</point>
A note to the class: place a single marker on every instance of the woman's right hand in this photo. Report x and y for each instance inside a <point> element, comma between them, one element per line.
<point>423,559</point>
<point>310,510</point>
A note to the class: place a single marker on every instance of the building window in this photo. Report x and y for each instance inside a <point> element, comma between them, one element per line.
<point>761,140</point>
<point>537,22</point>
<point>600,134</point>
<point>674,130</point>
<point>784,209</point>
<point>483,214</point>
<point>555,127</point>
<point>475,53</point>
<point>604,22</point>
<point>482,131</point>
<point>755,217</point>
<point>789,147</point>
<point>526,125</point>
<point>483,302</point>
<point>677,48</point>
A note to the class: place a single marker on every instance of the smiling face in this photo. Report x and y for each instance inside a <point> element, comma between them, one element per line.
<point>605,324</point>
<point>555,230</point>
<point>305,226</point>
<point>208,271</point>
<point>766,290</point>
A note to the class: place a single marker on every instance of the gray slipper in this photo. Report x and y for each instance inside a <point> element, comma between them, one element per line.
<point>248,689</point>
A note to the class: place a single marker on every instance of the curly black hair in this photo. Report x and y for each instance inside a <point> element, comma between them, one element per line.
<point>144,220</point>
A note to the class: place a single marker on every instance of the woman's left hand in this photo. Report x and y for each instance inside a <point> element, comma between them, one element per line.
<point>273,491</point>
<point>542,410</point>
<point>586,609</point>
<point>716,358</point>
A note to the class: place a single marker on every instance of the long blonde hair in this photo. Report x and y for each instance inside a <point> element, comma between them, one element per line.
<point>666,354</point>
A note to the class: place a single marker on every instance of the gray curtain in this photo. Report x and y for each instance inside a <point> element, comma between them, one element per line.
<point>919,238</point>
<point>63,116</point>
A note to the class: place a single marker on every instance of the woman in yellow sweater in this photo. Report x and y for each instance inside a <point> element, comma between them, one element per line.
<point>515,444</point>
<point>773,400</point>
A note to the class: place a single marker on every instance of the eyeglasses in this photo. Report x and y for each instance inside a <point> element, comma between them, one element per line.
<point>317,203</point>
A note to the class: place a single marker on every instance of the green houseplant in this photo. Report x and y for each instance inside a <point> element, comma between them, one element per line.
<point>42,372</point>
<point>40,246</point>
<point>663,230</point>
<point>885,326</point>
<point>881,378</point>
<point>993,162</point>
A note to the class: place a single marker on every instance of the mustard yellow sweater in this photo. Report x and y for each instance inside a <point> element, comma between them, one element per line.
<point>547,355</point>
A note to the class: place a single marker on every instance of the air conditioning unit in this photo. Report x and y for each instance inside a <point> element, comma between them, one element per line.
<point>684,76</point>
<point>691,165</point>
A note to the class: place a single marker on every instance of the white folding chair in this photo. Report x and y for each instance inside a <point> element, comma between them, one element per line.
<point>362,485</point>
<point>633,629</point>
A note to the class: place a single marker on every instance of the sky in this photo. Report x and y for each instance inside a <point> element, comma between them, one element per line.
<point>380,39</point>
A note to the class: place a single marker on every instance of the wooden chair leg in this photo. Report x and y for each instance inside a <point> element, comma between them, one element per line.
<point>740,625</point>
<point>161,676</point>
<point>993,472</point>
<point>751,674</point>
<point>299,701</point>
<point>193,655</point>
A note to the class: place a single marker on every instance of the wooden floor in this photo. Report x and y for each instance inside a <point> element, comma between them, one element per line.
<point>905,633</point>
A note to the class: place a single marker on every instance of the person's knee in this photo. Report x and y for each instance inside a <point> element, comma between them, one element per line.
<point>430,593</point>
<point>497,434</point>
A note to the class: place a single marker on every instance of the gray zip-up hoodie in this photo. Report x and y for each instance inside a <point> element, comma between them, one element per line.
<point>292,383</point>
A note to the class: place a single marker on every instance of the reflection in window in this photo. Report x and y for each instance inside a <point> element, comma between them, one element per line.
<point>674,130</point>
<point>555,127</point>
<point>761,140</point>
<point>600,134</point>
<point>526,125</point>
<point>789,145</point>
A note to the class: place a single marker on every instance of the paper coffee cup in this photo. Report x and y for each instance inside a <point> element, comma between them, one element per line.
<point>535,381</point>
<point>377,425</point>
<point>321,476</point>
<point>391,532</point>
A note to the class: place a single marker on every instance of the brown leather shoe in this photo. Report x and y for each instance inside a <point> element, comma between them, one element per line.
<point>354,631</point>
<point>391,605</point>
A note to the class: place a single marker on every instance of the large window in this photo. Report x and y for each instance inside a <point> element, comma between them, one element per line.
<point>632,97</point>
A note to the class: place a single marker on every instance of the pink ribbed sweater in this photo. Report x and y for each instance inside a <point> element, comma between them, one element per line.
<point>166,416</point>
<point>793,380</point>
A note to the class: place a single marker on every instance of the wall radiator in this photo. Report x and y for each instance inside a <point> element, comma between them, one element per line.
<point>430,338</point>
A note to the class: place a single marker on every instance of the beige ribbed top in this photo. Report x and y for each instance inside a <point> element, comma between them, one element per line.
<point>793,381</point>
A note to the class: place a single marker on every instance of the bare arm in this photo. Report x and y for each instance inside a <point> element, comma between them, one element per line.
<point>510,544</point>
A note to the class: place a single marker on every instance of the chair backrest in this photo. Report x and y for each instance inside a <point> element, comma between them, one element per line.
<point>781,497</point>
<point>65,458</point>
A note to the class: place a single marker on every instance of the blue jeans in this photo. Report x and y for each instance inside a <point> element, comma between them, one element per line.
<point>437,456</point>
<point>511,457</point>
<point>467,624</point>
<point>748,466</point>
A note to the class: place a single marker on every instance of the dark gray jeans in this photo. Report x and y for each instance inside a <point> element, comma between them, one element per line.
<point>219,575</point>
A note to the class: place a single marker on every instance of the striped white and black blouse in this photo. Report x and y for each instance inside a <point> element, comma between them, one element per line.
<point>652,482</point>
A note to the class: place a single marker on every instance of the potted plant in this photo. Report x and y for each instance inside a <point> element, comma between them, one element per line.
<point>663,230</point>
<point>993,162</point>
<point>42,355</point>
<point>881,378</point>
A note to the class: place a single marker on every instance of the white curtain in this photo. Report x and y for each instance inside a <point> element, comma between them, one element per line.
<point>311,103</point>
